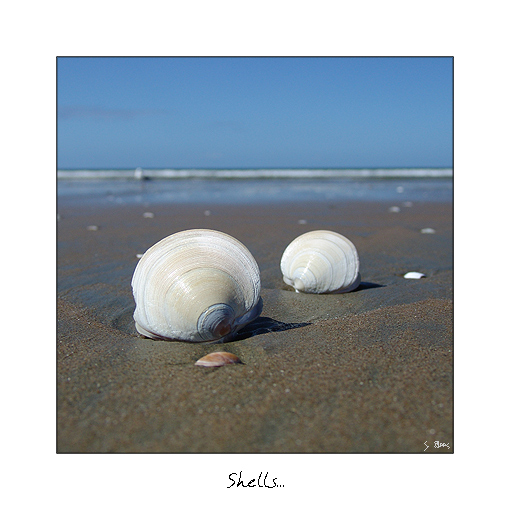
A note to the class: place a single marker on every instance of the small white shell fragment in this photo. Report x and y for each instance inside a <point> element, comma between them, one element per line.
<point>207,213</point>
<point>139,255</point>
<point>148,215</point>
<point>320,262</point>
<point>414,275</point>
<point>427,231</point>
<point>196,286</point>
<point>302,222</point>
<point>394,209</point>
<point>217,359</point>
<point>93,227</point>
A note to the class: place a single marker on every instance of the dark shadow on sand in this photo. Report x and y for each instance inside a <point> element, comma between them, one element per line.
<point>124,322</point>
<point>367,285</point>
<point>266,325</point>
<point>361,286</point>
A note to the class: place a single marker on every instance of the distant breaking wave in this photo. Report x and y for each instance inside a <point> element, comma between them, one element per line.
<point>305,173</point>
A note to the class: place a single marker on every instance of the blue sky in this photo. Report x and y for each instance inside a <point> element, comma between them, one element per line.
<point>254,112</point>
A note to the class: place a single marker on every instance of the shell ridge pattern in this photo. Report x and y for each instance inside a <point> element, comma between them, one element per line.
<point>326,266</point>
<point>340,263</point>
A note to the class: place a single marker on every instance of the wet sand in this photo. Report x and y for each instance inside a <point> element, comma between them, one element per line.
<point>367,371</point>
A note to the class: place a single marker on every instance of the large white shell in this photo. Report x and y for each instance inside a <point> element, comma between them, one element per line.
<point>320,262</point>
<point>196,286</point>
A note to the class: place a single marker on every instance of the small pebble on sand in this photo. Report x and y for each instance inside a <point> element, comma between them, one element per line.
<point>148,215</point>
<point>414,275</point>
<point>427,231</point>
<point>302,222</point>
<point>207,213</point>
<point>394,209</point>
<point>93,227</point>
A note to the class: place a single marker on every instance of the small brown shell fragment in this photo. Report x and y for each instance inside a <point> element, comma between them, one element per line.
<point>217,359</point>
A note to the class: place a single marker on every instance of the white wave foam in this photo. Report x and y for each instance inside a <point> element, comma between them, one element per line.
<point>304,173</point>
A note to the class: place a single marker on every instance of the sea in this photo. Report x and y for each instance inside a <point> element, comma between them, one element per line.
<point>243,186</point>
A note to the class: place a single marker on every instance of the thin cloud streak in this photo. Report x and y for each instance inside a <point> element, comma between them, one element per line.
<point>98,112</point>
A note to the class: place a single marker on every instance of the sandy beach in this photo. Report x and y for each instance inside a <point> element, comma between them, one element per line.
<point>366,371</point>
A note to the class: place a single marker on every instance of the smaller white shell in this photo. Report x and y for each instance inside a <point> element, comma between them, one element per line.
<point>320,262</point>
